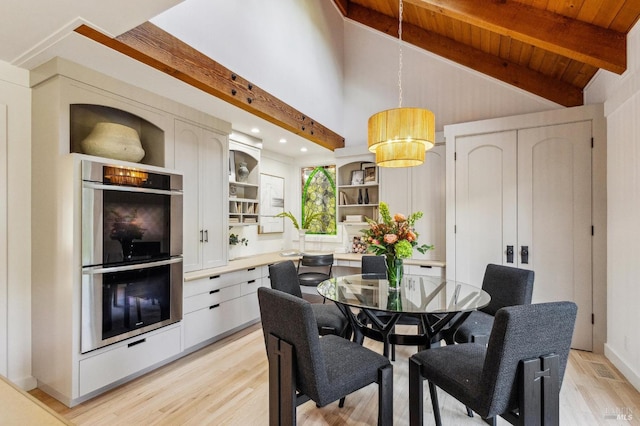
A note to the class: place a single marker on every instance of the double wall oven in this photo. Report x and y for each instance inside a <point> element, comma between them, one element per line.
<point>131,252</point>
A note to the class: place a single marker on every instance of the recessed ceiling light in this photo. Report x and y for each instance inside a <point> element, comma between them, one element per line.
<point>303,149</point>
<point>283,140</point>
<point>255,130</point>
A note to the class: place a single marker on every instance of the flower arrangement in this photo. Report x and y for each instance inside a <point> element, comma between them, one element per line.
<point>234,239</point>
<point>395,238</point>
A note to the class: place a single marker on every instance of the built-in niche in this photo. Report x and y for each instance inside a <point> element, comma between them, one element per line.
<point>84,117</point>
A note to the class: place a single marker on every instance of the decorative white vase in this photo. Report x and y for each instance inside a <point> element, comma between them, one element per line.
<point>301,235</point>
<point>115,141</point>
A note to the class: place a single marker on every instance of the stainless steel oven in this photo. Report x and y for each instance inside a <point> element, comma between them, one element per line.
<point>131,252</point>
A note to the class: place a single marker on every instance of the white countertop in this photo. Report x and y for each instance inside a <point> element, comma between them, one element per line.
<point>274,257</point>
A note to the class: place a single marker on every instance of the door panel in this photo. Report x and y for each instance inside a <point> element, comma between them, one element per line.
<point>428,196</point>
<point>485,202</point>
<point>554,220</point>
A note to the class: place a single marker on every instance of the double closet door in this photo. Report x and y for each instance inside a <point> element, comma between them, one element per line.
<point>523,198</point>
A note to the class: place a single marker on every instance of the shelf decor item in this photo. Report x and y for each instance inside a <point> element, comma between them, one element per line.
<point>115,141</point>
<point>394,238</point>
<point>243,172</point>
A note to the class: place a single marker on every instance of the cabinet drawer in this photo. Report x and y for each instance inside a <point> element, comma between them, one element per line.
<point>204,324</point>
<point>205,285</point>
<point>251,286</point>
<point>129,358</point>
<point>213,297</point>
<point>431,271</point>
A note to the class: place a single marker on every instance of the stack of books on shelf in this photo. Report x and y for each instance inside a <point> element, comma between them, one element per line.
<point>250,220</point>
<point>234,219</point>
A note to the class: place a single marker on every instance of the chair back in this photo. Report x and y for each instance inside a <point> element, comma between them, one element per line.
<point>291,318</point>
<point>374,266</point>
<point>284,277</point>
<point>507,286</point>
<point>523,332</point>
<point>317,260</point>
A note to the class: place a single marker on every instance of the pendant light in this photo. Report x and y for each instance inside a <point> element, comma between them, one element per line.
<point>400,137</point>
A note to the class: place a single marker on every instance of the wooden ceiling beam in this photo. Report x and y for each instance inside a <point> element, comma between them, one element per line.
<point>155,47</point>
<point>584,42</point>
<point>514,74</point>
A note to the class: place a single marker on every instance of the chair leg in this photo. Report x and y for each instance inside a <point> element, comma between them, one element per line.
<point>282,388</point>
<point>341,403</point>
<point>434,401</point>
<point>416,396</point>
<point>385,395</point>
<point>469,412</point>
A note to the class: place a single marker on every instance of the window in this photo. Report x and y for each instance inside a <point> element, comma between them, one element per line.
<point>319,198</point>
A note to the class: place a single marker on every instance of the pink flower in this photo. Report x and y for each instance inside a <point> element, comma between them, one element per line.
<point>399,217</point>
<point>390,238</point>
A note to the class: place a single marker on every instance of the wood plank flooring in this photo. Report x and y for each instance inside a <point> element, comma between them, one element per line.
<point>227,384</point>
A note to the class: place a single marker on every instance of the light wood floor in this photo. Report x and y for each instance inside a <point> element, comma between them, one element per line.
<point>226,384</point>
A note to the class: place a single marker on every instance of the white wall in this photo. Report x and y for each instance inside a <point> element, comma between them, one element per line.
<point>293,51</point>
<point>15,213</point>
<point>621,96</point>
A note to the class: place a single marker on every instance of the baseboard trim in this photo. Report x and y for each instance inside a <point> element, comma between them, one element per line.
<point>624,367</point>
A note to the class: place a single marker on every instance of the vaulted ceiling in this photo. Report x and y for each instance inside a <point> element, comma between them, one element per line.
<point>551,48</point>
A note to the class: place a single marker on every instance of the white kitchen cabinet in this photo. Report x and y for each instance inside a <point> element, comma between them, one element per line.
<point>521,193</point>
<point>421,188</point>
<point>244,190</point>
<point>217,304</point>
<point>201,156</point>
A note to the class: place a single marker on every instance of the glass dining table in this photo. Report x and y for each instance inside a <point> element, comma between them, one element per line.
<point>438,305</point>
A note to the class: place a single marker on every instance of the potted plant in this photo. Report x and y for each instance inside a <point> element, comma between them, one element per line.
<point>302,226</point>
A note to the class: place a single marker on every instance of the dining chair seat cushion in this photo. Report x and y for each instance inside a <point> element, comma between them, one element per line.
<point>329,316</point>
<point>349,367</point>
<point>312,278</point>
<point>477,323</point>
<point>455,368</point>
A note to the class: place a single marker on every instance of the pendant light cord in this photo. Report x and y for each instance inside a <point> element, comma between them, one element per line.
<point>400,11</point>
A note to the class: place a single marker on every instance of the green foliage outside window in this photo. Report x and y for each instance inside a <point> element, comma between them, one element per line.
<point>319,196</point>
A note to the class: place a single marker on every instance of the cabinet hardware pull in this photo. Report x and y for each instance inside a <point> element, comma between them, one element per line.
<point>137,342</point>
<point>213,277</point>
<point>206,236</point>
<point>214,306</point>
<point>509,254</point>
<point>524,252</point>
<point>214,291</point>
<point>426,266</point>
<point>251,282</point>
<point>251,269</point>
<point>201,236</point>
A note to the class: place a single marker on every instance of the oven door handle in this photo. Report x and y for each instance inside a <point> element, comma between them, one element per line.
<point>94,270</point>
<point>94,185</point>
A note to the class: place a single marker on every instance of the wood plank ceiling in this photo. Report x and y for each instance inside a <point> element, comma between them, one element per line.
<point>551,48</point>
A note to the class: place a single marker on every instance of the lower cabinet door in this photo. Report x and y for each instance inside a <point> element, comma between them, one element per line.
<point>204,324</point>
<point>131,357</point>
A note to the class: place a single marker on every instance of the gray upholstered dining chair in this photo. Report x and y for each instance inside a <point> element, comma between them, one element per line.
<point>330,319</point>
<point>516,376</point>
<point>303,366</point>
<point>507,286</point>
<point>313,269</point>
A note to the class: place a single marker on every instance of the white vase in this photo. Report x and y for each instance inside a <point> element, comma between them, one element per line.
<point>301,235</point>
<point>112,140</point>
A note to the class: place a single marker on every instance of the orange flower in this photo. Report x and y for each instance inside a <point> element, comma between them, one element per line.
<point>399,217</point>
<point>390,238</point>
<point>411,236</point>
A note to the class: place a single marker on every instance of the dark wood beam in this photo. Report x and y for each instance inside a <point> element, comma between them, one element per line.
<point>160,50</point>
<point>534,82</point>
<point>584,42</point>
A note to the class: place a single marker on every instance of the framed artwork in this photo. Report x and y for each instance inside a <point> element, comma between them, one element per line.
<point>357,177</point>
<point>369,174</point>
<point>271,204</point>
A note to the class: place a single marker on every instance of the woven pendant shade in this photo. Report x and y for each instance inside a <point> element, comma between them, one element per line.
<point>399,137</point>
